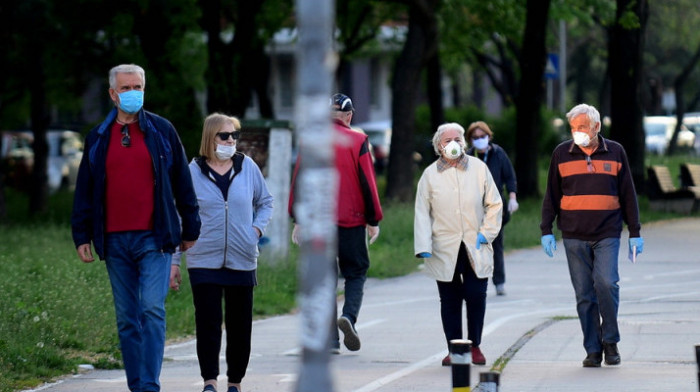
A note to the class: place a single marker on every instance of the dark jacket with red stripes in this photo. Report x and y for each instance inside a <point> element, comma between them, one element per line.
<point>590,196</point>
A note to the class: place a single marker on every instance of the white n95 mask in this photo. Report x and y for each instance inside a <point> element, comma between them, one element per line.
<point>452,150</point>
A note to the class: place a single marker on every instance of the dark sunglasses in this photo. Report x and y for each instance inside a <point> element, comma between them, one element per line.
<point>225,135</point>
<point>126,138</point>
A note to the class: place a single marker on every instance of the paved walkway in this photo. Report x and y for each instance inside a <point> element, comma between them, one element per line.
<point>532,336</point>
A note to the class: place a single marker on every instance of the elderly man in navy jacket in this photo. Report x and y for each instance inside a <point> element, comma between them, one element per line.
<point>135,203</point>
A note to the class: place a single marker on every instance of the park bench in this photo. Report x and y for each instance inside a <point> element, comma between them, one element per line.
<point>690,174</point>
<point>664,195</point>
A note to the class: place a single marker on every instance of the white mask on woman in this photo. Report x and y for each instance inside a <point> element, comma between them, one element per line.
<point>224,151</point>
<point>481,143</point>
<point>452,150</point>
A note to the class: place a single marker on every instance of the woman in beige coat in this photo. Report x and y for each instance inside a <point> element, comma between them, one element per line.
<point>457,216</point>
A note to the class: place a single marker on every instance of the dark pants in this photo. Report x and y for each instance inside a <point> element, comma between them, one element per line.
<point>464,287</point>
<point>499,268</point>
<point>238,302</point>
<point>353,263</point>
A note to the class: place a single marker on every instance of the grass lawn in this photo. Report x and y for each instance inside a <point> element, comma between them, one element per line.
<point>56,312</point>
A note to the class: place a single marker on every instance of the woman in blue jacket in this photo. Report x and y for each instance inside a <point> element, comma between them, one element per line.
<point>235,208</point>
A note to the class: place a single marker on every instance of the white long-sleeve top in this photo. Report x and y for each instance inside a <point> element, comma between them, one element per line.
<point>451,207</point>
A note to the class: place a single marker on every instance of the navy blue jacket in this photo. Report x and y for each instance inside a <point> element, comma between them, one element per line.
<point>174,197</point>
<point>501,170</point>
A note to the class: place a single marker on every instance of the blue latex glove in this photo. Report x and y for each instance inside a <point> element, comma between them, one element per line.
<point>549,244</point>
<point>262,241</point>
<point>480,239</point>
<point>637,242</point>
<point>424,255</point>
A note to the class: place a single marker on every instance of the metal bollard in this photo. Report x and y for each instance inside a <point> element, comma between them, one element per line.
<point>489,381</point>
<point>460,358</point>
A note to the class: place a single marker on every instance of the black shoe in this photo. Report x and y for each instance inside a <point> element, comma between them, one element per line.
<point>351,339</point>
<point>612,355</point>
<point>593,360</point>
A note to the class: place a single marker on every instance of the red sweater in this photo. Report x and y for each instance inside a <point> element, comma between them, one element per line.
<point>129,182</point>
<point>358,199</point>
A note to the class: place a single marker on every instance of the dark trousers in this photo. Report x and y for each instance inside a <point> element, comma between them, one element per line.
<point>238,302</point>
<point>499,268</point>
<point>465,287</point>
<point>353,263</point>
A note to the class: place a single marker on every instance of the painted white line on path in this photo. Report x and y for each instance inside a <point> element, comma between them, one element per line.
<point>430,361</point>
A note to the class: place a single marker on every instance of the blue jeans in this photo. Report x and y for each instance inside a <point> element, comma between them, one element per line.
<point>594,275</point>
<point>139,273</point>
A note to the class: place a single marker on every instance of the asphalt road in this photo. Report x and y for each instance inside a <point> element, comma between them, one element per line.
<point>532,336</point>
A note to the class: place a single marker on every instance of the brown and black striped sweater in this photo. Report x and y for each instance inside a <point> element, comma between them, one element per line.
<point>590,196</point>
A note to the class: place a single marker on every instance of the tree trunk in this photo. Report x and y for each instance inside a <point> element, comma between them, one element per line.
<point>39,188</point>
<point>678,85</point>
<point>166,94</point>
<point>530,97</point>
<point>245,49</point>
<point>434,80</point>
<point>262,79</point>
<point>420,45</point>
<point>625,54</point>
<point>219,73</point>
<point>3,204</point>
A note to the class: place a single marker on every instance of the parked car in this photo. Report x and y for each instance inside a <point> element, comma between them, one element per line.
<point>379,135</point>
<point>659,130</point>
<point>692,121</point>
<point>64,155</point>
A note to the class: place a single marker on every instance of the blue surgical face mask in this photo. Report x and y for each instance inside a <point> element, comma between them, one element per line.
<point>481,143</point>
<point>131,101</point>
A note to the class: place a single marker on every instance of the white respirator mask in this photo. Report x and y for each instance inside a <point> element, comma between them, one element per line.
<point>452,150</point>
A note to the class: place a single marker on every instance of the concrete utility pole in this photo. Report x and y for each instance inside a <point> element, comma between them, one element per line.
<point>315,201</point>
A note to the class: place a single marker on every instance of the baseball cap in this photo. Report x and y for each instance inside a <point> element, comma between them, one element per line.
<point>341,103</point>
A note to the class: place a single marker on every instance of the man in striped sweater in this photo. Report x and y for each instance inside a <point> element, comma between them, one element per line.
<point>590,192</point>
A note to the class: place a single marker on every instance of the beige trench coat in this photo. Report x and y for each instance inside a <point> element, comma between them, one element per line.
<point>452,207</point>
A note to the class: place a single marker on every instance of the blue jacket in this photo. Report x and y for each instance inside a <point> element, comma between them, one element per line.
<point>174,196</point>
<point>501,170</point>
<point>228,237</point>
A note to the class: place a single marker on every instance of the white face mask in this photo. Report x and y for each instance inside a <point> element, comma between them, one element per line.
<point>582,139</point>
<point>224,151</point>
<point>481,143</point>
<point>452,150</point>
